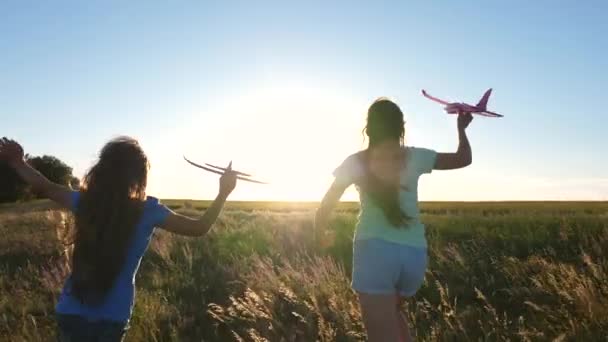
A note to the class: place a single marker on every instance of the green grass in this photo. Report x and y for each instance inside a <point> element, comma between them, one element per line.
<point>519,271</point>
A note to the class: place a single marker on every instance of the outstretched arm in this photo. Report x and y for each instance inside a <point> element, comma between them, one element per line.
<point>329,202</point>
<point>182,225</point>
<point>12,153</point>
<point>463,156</point>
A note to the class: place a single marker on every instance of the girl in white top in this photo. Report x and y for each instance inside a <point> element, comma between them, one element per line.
<point>389,251</point>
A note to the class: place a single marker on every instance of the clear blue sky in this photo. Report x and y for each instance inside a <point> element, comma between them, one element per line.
<point>282,88</point>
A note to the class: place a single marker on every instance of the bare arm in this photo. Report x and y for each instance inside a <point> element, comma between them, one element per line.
<point>329,202</point>
<point>182,225</point>
<point>463,156</point>
<point>12,153</point>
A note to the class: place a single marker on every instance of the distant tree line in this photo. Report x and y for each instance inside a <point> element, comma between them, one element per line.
<point>13,189</point>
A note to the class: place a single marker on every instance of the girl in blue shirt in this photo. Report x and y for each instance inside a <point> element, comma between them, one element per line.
<point>114,223</point>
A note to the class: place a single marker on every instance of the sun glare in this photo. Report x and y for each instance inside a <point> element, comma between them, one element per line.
<point>290,134</point>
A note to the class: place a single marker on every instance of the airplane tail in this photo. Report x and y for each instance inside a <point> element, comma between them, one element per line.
<point>484,99</point>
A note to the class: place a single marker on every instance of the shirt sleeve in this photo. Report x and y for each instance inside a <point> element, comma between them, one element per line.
<point>424,159</point>
<point>349,171</point>
<point>159,211</point>
<point>74,199</point>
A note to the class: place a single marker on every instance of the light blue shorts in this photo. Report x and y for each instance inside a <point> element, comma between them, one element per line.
<point>383,267</point>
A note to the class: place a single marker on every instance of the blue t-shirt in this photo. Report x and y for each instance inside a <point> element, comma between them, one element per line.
<point>119,301</point>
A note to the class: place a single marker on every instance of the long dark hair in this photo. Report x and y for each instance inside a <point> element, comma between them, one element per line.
<point>111,204</point>
<point>384,122</point>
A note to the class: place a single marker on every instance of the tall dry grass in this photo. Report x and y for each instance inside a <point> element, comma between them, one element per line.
<point>528,273</point>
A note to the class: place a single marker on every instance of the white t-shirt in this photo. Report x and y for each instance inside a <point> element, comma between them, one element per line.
<point>373,224</point>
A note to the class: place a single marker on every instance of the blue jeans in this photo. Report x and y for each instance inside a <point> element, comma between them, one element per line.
<point>73,328</point>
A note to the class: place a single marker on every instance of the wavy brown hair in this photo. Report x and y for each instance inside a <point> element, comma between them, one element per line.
<point>384,122</point>
<point>111,203</point>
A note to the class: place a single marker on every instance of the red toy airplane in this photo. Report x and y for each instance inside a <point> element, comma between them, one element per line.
<point>221,170</point>
<point>460,107</point>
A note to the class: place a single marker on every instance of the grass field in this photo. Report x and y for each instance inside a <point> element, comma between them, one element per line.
<point>498,272</point>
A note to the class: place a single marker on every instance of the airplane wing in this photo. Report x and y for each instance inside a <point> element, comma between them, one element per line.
<point>434,98</point>
<point>489,114</point>
<point>203,167</point>
<point>224,169</point>
<point>250,180</point>
<point>241,177</point>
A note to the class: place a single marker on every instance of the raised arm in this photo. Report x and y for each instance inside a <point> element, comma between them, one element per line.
<point>463,156</point>
<point>12,153</point>
<point>182,225</point>
<point>329,202</point>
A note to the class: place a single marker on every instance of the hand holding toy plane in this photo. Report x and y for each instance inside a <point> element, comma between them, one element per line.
<point>460,107</point>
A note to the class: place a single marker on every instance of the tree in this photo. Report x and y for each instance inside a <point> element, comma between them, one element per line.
<point>13,189</point>
<point>53,169</point>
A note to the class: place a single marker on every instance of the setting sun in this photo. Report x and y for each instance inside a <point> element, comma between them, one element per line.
<point>289,134</point>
